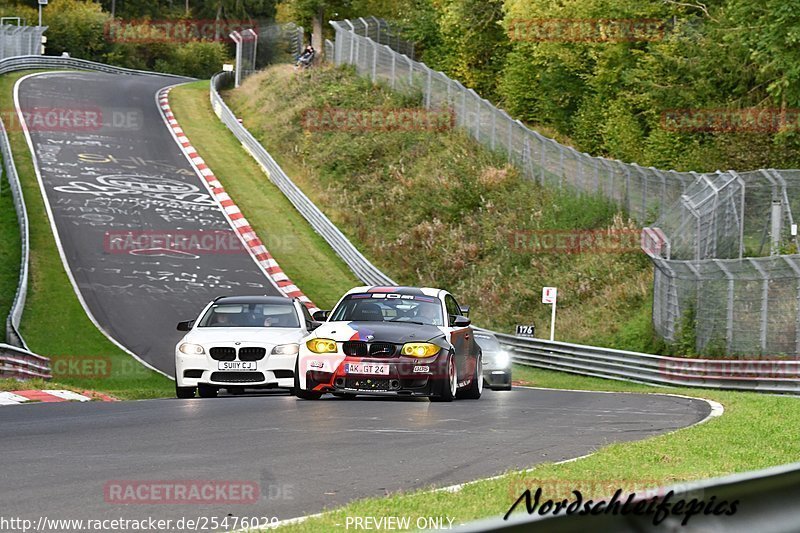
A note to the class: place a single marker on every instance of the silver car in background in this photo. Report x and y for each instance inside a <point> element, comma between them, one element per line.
<point>496,362</point>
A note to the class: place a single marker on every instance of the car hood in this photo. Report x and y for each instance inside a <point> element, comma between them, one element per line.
<point>395,332</point>
<point>253,335</point>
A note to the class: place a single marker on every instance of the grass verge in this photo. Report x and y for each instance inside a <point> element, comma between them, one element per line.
<point>54,322</point>
<point>756,431</point>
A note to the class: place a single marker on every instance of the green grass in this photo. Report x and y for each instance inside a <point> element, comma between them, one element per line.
<point>435,208</point>
<point>756,431</point>
<point>54,323</point>
<point>302,253</point>
<point>9,250</point>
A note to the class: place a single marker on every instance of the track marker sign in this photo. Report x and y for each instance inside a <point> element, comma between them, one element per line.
<point>525,330</point>
<point>549,296</point>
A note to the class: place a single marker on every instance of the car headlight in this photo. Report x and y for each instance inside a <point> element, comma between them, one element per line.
<point>420,349</point>
<point>191,349</point>
<point>286,349</point>
<point>502,359</point>
<point>322,345</point>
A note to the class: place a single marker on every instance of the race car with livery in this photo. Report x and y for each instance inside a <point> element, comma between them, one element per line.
<point>404,341</point>
<point>240,342</point>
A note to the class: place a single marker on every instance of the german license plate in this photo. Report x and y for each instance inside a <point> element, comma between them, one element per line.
<point>374,369</point>
<point>238,365</point>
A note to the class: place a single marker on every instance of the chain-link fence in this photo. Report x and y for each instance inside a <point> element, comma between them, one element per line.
<point>246,45</point>
<point>20,40</point>
<point>642,191</point>
<point>708,293</point>
<point>279,43</point>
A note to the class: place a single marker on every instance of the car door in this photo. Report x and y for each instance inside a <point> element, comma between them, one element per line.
<point>460,338</point>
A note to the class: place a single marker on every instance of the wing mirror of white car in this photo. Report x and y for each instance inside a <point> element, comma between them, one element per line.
<point>311,325</point>
<point>458,321</point>
<point>186,325</point>
<point>321,316</point>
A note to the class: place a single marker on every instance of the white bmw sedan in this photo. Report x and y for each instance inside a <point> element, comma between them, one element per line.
<point>241,342</point>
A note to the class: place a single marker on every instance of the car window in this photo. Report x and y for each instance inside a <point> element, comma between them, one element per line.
<point>306,313</point>
<point>487,342</point>
<point>452,306</point>
<point>389,307</point>
<point>251,315</point>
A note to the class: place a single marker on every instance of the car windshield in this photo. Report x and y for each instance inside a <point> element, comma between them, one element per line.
<point>389,307</point>
<point>487,342</point>
<point>250,315</point>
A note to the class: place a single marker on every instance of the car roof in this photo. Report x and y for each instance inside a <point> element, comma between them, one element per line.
<point>416,291</point>
<point>252,300</point>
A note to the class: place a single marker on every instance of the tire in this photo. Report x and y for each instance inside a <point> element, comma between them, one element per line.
<point>297,391</point>
<point>207,391</point>
<point>475,388</point>
<point>447,389</point>
<point>184,392</point>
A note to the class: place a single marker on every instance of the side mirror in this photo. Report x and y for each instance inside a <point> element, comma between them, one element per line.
<point>459,321</point>
<point>321,316</point>
<point>465,310</point>
<point>186,325</point>
<point>311,325</point>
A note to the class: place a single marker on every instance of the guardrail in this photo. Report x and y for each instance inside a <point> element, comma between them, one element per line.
<point>15,314</point>
<point>22,364</point>
<point>766,500</point>
<point>764,375</point>
<point>37,366</point>
<point>360,265</point>
<point>748,375</point>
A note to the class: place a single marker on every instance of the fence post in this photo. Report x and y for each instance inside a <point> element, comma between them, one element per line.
<point>374,61</point>
<point>428,88</point>
<point>394,68</point>
<point>764,303</point>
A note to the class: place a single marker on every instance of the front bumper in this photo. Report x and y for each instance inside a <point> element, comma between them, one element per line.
<point>271,371</point>
<point>497,377</point>
<point>405,376</point>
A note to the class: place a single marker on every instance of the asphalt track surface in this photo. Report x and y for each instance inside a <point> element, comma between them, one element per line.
<point>129,176</point>
<point>304,455</point>
<point>59,459</point>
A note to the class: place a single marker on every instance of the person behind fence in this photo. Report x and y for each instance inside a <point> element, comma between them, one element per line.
<point>305,59</point>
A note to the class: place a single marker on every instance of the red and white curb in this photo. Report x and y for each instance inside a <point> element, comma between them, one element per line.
<point>50,396</point>
<point>234,215</point>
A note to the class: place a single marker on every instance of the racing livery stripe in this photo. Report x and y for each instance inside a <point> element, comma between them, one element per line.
<point>232,212</point>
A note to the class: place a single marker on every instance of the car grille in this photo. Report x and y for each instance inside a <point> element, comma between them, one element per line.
<point>223,353</point>
<point>362,349</point>
<point>355,348</point>
<point>367,383</point>
<point>382,349</point>
<point>252,353</point>
<point>237,377</point>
